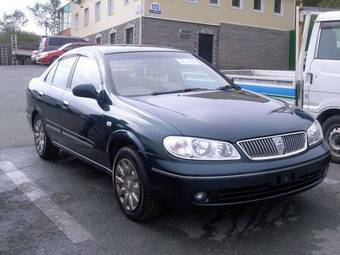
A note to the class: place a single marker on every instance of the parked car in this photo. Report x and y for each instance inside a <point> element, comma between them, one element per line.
<point>172,130</point>
<point>48,57</point>
<point>48,43</point>
<point>34,56</point>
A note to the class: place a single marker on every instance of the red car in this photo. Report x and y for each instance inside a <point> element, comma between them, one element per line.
<point>48,57</point>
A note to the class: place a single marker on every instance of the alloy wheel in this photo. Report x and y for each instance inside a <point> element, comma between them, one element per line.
<point>334,141</point>
<point>39,136</point>
<point>127,184</point>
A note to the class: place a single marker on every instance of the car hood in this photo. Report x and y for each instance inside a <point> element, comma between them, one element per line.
<point>230,115</point>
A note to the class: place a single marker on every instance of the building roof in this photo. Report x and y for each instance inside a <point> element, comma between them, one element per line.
<point>329,16</point>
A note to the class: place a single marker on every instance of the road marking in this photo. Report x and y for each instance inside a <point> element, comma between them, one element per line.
<point>330,181</point>
<point>65,222</point>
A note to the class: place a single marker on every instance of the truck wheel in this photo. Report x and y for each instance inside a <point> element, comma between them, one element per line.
<point>45,148</point>
<point>331,129</point>
<point>131,186</point>
<point>26,61</point>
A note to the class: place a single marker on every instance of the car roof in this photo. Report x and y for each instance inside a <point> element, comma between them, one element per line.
<point>329,16</point>
<point>111,49</point>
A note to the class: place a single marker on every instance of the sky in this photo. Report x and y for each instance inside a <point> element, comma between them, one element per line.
<point>9,6</point>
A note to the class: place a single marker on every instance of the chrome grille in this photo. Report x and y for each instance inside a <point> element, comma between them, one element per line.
<point>274,146</point>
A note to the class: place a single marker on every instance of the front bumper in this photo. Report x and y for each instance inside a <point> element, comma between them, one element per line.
<point>179,190</point>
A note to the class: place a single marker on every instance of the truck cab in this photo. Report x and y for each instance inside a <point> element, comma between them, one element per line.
<point>322,78</point>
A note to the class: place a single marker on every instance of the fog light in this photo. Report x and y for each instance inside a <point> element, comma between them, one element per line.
<point>201,197</point>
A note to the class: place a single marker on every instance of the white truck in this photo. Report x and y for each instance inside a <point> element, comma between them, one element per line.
<point>315,85</point>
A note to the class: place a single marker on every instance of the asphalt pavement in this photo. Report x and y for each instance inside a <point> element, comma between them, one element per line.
<point>67,207</point>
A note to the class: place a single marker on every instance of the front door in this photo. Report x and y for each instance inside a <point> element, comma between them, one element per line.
<point>82,118</point>
<point>323,76</point>
<point>205,47</point>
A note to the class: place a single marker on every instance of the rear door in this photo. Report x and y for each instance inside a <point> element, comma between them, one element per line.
<point>323,76</point>
<point>82,118</point>
<point>50,96</point>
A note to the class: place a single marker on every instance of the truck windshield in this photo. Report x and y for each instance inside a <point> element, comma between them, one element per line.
<point>156,73</point>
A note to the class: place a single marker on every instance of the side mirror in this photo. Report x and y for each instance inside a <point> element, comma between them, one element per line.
<point>85,90</point>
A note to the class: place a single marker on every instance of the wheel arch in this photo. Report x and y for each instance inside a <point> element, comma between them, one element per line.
<point>327,114</point>
<point>121,138</point>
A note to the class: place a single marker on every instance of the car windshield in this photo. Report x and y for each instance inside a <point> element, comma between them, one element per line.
<point>155,73</point>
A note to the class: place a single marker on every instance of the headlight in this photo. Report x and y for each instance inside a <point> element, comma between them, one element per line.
<point>200,149</point>
<point>314,133</point>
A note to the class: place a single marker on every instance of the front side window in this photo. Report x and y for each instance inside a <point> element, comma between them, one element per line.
<point>63,72</point>
<point>258,5</point>
<point>86,72</point>
<point>147,73</point>
<point>236,4</point>
<point>129,36</point>
<point>329,42</point>
<point>86,17</point>
<point>97,12</point>
<point>278,6</point>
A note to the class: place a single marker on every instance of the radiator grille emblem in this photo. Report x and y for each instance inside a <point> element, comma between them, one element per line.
<point>280,146</point>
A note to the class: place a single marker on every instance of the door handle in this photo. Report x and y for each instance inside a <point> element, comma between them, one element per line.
<point>310,77</point>
<point>40,93</point>
<point>65,103</point>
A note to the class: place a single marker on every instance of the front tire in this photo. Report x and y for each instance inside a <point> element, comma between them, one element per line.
<point>331,129</point>
<point>131,186</point>
<point>45,148</point>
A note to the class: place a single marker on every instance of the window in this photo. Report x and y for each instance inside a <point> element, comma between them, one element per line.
<point>76,21</point>
<point>129,36</point>
<point>236,4</point>
<point>99,40</point>
<point>191,1</point>
<point>329,44</point>
<point>113,38</point>
<point>97,12</point>
<point>63,71</point>
<point>86,17</point>
<point>86,72</point>
<point>50,75</point>
<point>278,7</point>
<point>214,2</point>
<point>109,7</point>
<point>258,5</point>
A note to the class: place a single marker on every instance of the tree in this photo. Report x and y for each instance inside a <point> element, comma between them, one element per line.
<point>323,3</point>
<point>13,22</point>
<point>46,14</point>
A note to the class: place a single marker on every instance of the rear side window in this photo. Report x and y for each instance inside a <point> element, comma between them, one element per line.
<point>63,72</point>
<point>87,72</point>
<point>49,77</point>
<point>329,42</point>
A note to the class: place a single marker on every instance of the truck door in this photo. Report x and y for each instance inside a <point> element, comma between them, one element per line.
<point>322,77</point>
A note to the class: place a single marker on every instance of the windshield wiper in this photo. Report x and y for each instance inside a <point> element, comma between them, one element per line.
<point>176,91</point>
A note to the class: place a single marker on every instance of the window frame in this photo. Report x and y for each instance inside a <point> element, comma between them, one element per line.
<point>191,1</point>
<point>69,75</point>
<point>86,16</point>
<point>262,7</point>
<point>237,7</point>
<point>110,7</point>
<point>282,13</point>
<point>76,21</point>
<point>97,11</point>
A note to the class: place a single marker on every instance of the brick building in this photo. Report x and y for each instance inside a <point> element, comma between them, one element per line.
<point>231,34</point>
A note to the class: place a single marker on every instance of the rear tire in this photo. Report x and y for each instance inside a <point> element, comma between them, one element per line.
<point>331,129</point>
<point>131,186</point>
<point>45,148</point>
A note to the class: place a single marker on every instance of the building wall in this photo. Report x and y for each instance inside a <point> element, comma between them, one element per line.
<point>120,32</point>
<point>203,12</point>
<point>167,33</point>
<point>242,47</point>
<point>122,13</point>
<point>234,47</point>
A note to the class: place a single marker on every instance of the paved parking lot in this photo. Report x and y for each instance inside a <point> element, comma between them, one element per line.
<point>67,207</point>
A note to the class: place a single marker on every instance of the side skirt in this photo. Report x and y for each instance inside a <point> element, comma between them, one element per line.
<point>85,159</point>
